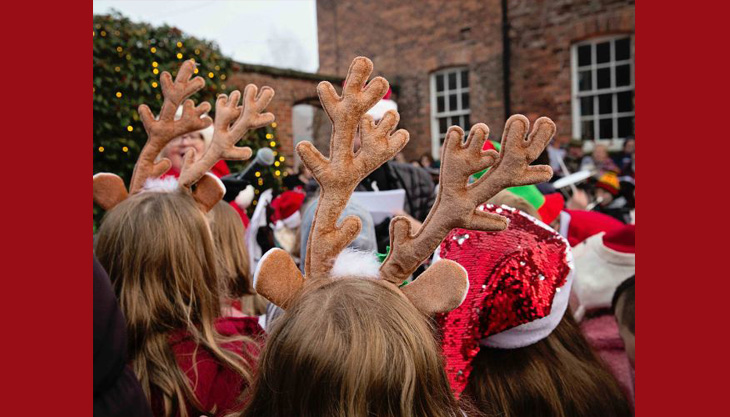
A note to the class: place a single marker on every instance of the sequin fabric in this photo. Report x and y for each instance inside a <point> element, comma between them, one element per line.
<point>513,276</point>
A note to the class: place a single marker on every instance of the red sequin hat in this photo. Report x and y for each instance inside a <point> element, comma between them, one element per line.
<point>519,286</point>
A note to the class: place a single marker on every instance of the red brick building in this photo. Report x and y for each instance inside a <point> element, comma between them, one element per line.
<point>470,61</point>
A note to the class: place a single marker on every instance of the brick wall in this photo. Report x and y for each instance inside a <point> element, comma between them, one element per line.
<point>409,40</point>
<point>291,87</point>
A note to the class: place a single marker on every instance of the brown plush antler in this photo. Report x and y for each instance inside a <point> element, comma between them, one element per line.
<point>161,131</point>
<point>339,174</point>
<point>456,203</point>
<point>232,122</point>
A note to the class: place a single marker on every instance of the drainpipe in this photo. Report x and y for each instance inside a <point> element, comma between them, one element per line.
<point>505,62</point>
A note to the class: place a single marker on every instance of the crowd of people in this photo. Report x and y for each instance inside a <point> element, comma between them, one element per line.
<point>495,291</point>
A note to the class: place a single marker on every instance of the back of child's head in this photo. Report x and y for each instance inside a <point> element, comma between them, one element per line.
<point>352,347</point>
<point>233,263</point>
<point>159,253</point>
<point>557,376</point>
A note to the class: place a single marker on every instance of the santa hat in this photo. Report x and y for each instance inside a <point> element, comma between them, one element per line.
<point>286,210</point>
<point>602,263</point>
<point>609,182</point>
<point>519,286</point>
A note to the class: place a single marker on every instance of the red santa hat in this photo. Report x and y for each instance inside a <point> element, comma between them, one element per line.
<point>519,288</point>
<point>286,210</point>
<point>602,263</point>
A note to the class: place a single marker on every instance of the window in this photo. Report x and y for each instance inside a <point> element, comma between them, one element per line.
<point>449,104</point>
<point>603,89</point>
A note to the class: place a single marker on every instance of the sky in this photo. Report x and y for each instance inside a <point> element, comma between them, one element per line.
<point>280,33</point>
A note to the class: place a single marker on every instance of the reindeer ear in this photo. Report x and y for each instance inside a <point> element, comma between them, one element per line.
<point>277,278</point>
<point>440,289</point>
<point>109,190</point>
<point>209,190</point>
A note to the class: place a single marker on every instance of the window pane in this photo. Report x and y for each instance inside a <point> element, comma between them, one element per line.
<point>452,81</point>
<point>625,126</point>
<point>440,82</point>
<point>465,100</point>
<point>440,104</point>
<point>585,81</point>
<point>467,122</point>
<point>623,75</point>
<point>603,76</point>
<point>603,52</point>
<point>452,102</point>
<point>625,102</point>
<point>623,49</point>
<point>584,55</point>
<point>465,79</point>
<point>605,104</point>
<point>586,106</point>
<point>586,128</point>
<point>605,127</point>
<point>443,125</point>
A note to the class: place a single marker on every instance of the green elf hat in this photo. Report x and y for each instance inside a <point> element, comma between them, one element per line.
<point>548,206</point>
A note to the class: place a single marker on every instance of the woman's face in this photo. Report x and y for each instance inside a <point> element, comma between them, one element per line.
<point>176,149</point>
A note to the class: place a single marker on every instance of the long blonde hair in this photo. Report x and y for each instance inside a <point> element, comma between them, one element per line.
<point>158,251</point>
<point>351,347</point>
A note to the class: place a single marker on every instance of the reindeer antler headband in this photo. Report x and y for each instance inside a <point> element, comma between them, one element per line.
<point>232,122</point>
<point>443,286</point>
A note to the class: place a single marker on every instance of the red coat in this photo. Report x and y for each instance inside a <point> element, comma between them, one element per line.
<point>216,385</point>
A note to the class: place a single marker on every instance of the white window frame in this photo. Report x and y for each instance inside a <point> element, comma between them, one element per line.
<point>614,143</point>
<point>435,115</point>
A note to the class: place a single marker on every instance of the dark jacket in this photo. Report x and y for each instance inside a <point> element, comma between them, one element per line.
<point>117,391</point>
<point>415,181</point>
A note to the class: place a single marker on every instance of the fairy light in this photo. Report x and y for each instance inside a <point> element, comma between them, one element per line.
<point>154,85</point>
<point>153,50</point>
<point>125,149</point>
<point>277,163</point>
<point>103,33</point>
<point>154,64</point>
<point>269,136</point>
<point>117,69</point>
<point>155,71</point>
<point>256,191</point>
<point>255,202</point>
<point>119,94</point>
<point>257,174</point>
<point>196,70</point>
<point>179,44</point>
<point>261,182</point>
<point>281,158</point>
<point>130,128</point>
<point>272,143</point>
<point>277,172</point>
<point>273,124</point>
<point>197,52</point>
<point>211,75</point>
<point>223,76</point>
<point>179,55</point>
<point>119,49</point>
<point>101,149</point>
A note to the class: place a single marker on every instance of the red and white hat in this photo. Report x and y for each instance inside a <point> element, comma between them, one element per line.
<point>602,263</point>
<point>519,288</point>
<point>286,210</point>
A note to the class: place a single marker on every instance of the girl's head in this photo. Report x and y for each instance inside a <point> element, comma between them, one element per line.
<point>158,250</point>
<point>557,376</point>
<point>233,262</point>
<point>511,349</point>
<point>351,347</point>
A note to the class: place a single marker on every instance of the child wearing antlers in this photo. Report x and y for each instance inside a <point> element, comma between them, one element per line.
<point>157,247</point>
<point>363,344</point>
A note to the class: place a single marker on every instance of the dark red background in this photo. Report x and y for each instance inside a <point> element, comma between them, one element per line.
<point>46,293</point>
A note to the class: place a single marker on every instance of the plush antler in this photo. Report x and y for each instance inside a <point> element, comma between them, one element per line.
<point>161,131</point>
<point>232,122</point>
<point>339,174</point>
<point>456,204</point>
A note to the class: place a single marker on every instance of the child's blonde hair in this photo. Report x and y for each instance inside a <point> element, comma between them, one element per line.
<point>158,251</point>
<point>351,347</point>
<point>233,262</point>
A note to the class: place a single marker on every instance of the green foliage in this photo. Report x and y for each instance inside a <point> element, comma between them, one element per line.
<point>128,60</point>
